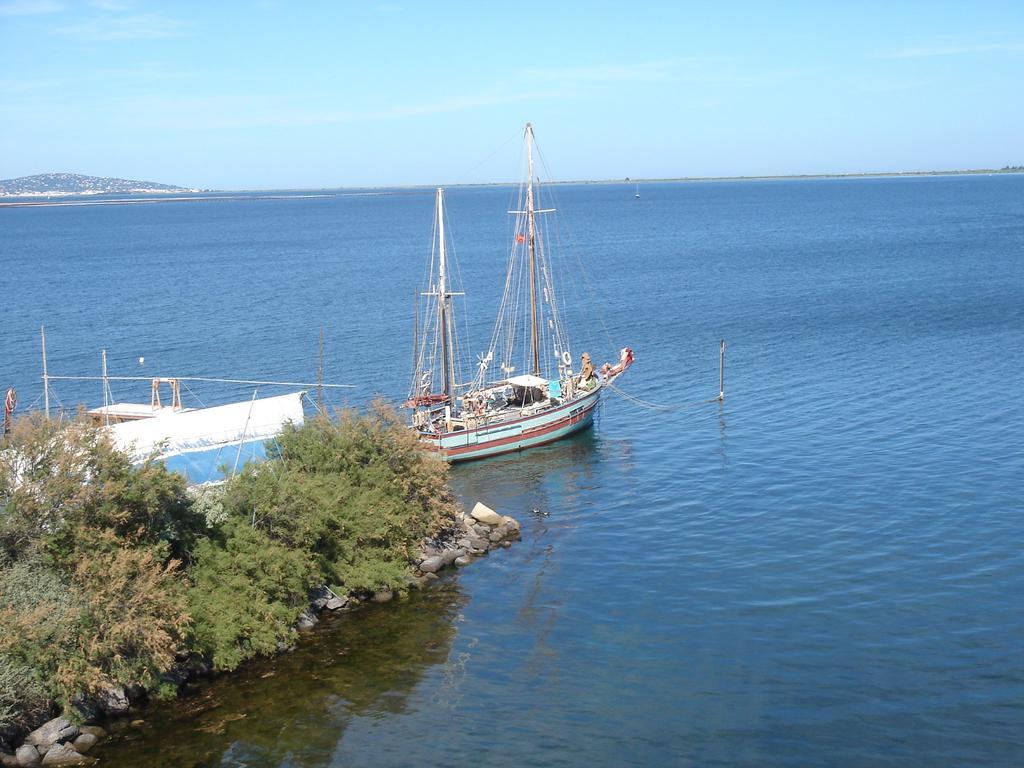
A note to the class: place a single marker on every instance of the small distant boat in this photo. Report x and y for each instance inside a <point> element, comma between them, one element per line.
<point>463,419</point>
<point>637,191</point>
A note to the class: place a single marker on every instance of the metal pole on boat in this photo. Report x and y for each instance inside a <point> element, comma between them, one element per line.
<point>531,245</point>
<point>447,364</point>
<point>46,376</point>
<point>721,370</point>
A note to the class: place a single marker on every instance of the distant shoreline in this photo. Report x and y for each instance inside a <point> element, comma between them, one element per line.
<point>24,201</point>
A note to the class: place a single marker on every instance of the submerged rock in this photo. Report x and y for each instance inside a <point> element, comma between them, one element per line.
<point>307,620</point>
<point>384,596</point>
<point>84,742</point>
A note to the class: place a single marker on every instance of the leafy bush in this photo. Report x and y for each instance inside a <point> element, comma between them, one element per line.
<point>62,483</point>
<point>36,610</point>
<point>133,619</point>
<point>109,570</point>
<point>247,592</point>
<point>118,618</point>
<point>40,613</point>
<point>359,495</point>
<point>90,595</point>
<point>208,502</point>
<point>20,692</point>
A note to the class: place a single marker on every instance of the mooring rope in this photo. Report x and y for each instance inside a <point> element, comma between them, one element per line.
<point>656,406</point>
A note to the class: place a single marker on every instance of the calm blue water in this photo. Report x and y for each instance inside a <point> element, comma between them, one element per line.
<point>826,570</point>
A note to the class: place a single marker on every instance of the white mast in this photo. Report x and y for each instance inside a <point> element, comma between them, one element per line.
<point>447,363</point>
<point>530,232</point>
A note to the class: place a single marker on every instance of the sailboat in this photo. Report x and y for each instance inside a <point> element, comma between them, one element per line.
<point>637,191</point>
<point>506,407</point>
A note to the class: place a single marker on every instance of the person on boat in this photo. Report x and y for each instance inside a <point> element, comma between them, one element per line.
<point>586,371</point>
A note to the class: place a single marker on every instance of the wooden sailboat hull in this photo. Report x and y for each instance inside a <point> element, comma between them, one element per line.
<point>510,435</point>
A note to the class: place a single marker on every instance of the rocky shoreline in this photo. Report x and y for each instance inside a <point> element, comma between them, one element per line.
<point>66,739</point>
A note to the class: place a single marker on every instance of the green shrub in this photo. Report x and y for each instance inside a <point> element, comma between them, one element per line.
<point>90,595</point>
<point>91,588</point>
<point>359,495</point>
<point>21,693</point>
<point>134,619</point>
<point>62,483</point>
<point>118,618</point>
<point>208,502</point>
<point>41,616</point>
<point>247,592</point>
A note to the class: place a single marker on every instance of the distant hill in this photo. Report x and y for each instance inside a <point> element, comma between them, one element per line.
<point>77,184</point>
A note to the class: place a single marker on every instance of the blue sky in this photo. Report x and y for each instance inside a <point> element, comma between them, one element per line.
<point>305,94</point>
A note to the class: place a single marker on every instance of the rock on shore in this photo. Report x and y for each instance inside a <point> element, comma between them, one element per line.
<point>481,530</point>
<point>57,742</point>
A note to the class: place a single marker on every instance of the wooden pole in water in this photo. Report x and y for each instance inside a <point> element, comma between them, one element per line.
<point>46,377</point>
<point>721,370</point>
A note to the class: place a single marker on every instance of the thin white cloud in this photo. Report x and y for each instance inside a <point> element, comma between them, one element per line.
<point>231,111</point>
<point>139,27</point>
<point>891,86</point>
<point>696,70</point>
<point>32,85</point>
<point>112,5</point>
<point>30,7</point>
<point>644,71</point>
<point>924,52</point>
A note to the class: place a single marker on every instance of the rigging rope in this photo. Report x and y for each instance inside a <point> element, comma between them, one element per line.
<point>656,406</point>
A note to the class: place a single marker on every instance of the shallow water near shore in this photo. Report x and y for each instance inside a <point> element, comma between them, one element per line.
<point>825,569</point>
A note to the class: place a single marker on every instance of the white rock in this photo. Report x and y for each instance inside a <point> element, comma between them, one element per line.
<point>486,515</point>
